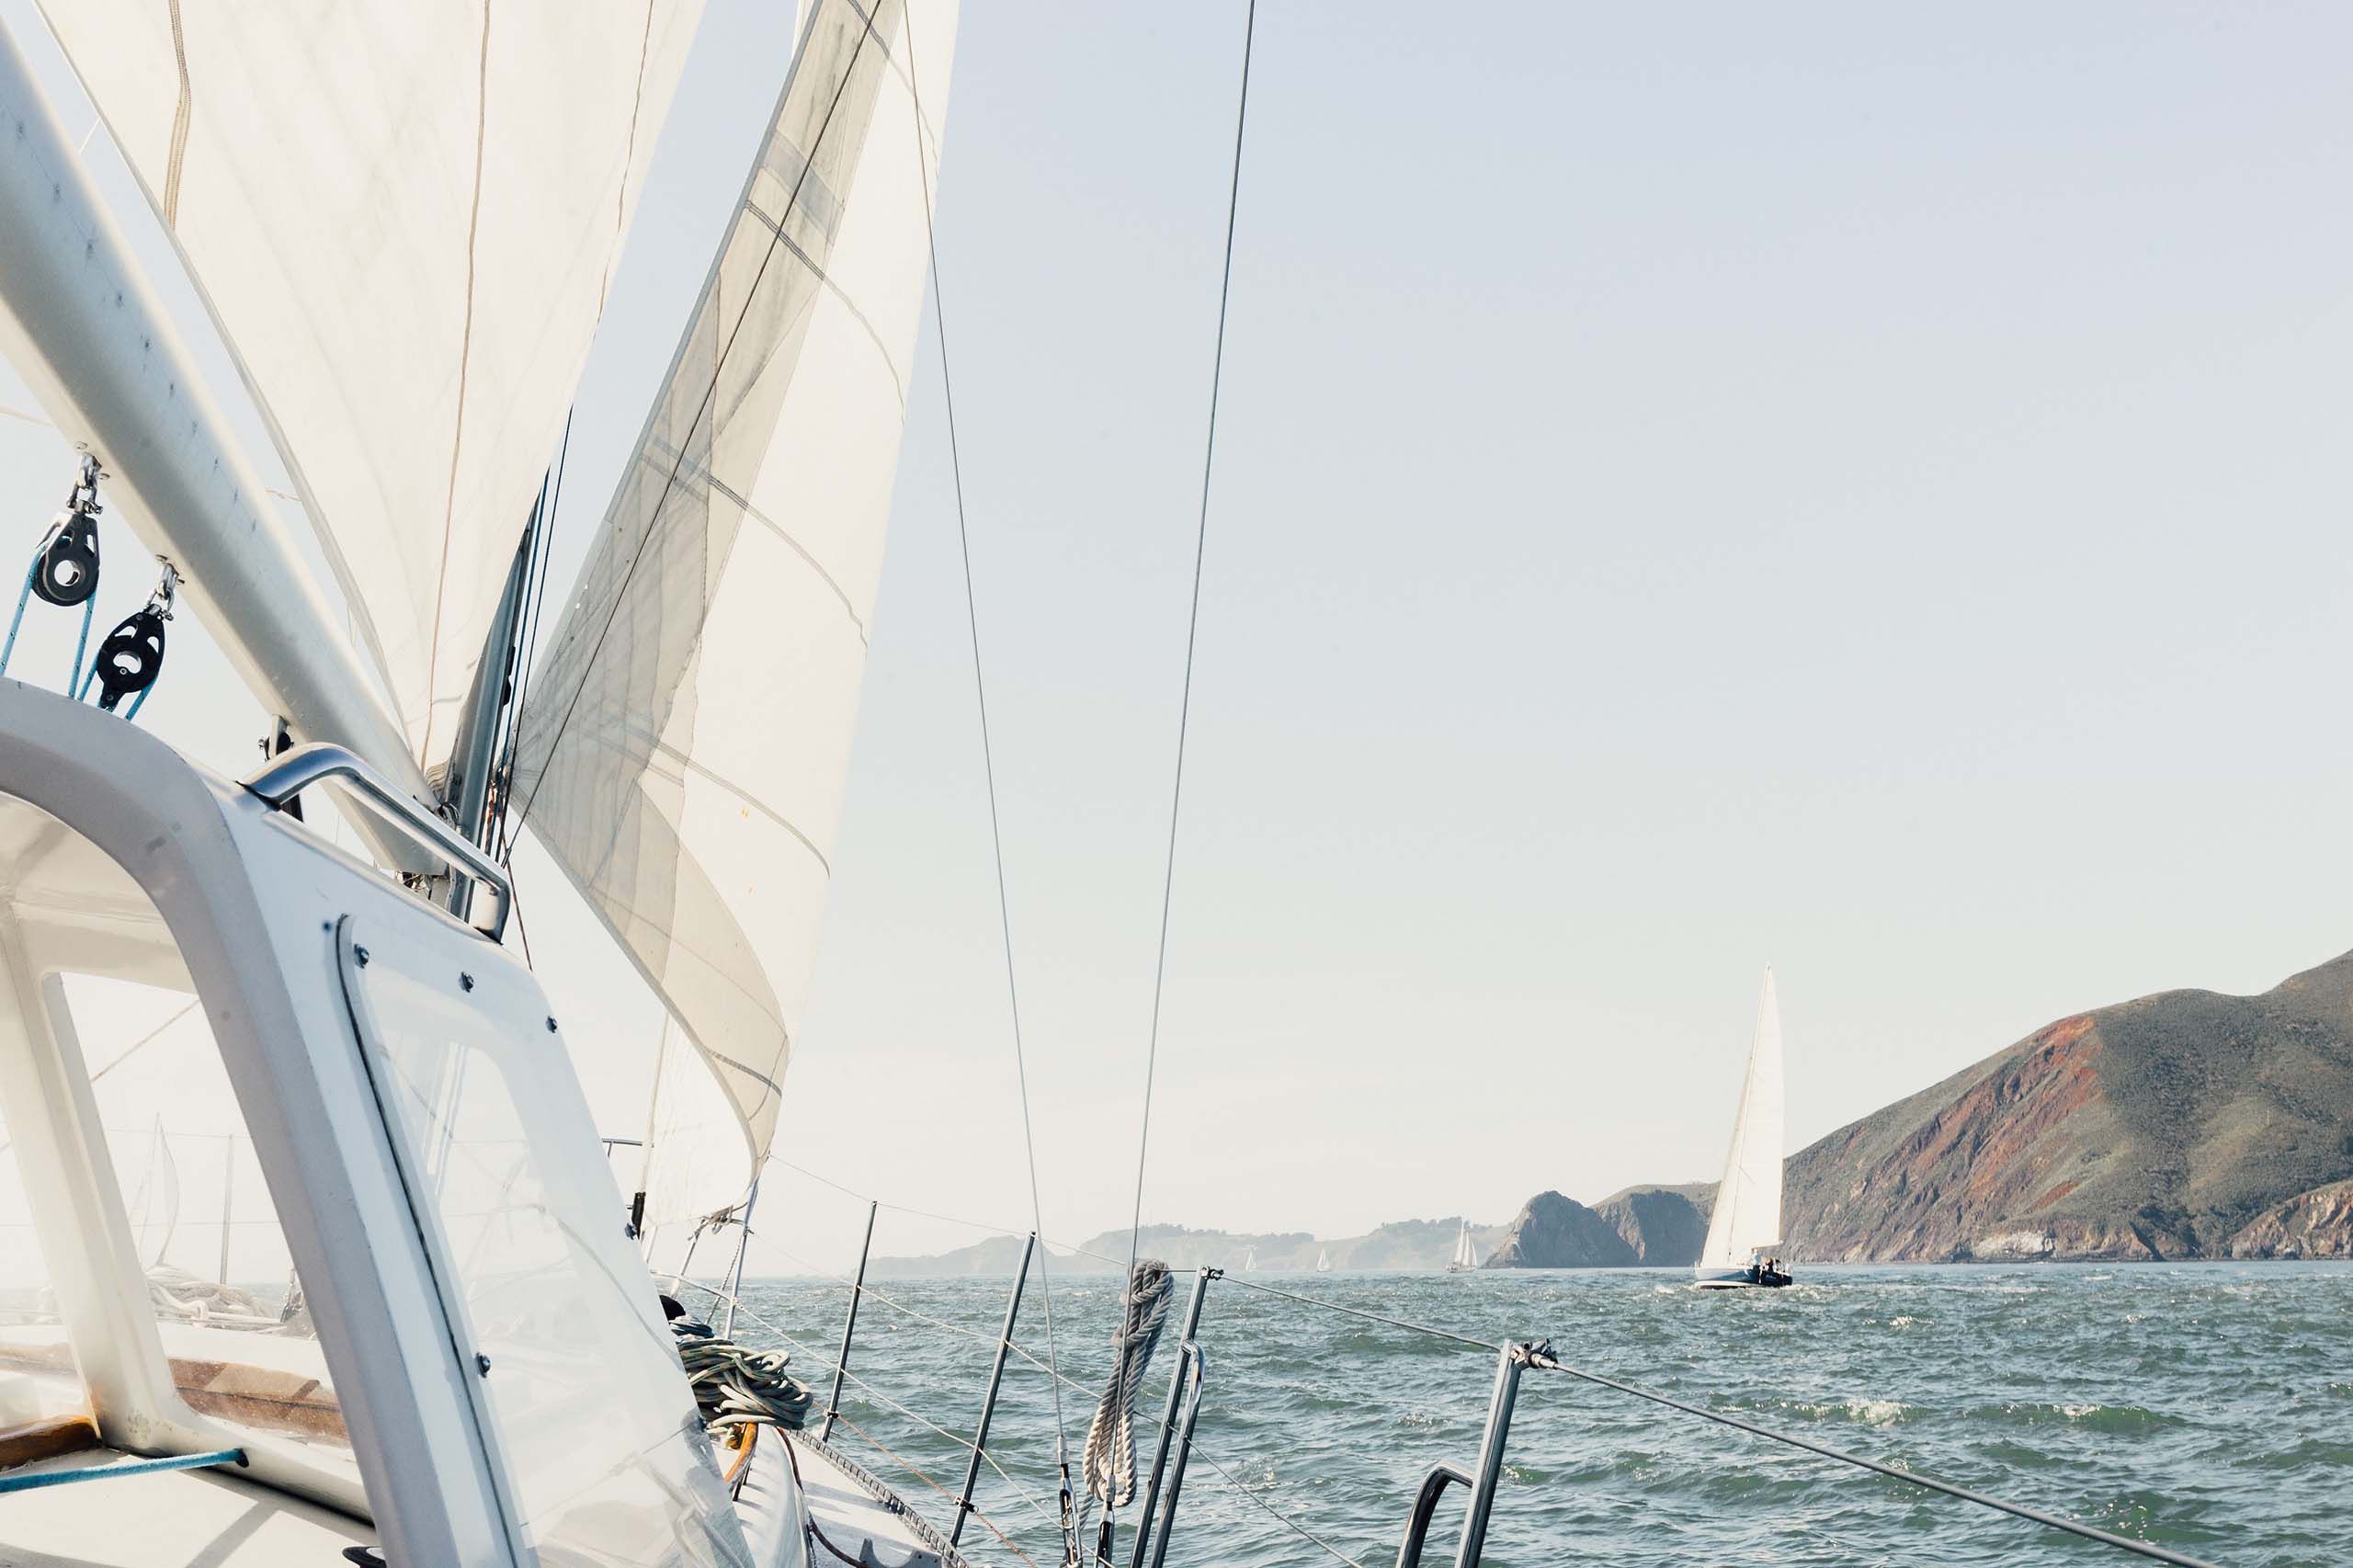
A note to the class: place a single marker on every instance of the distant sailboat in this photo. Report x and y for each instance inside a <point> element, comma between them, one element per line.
<point>1322,1261</point>
<point>1249,1260</point>
<point>1744,1231</point>
<point>1466,1252</point>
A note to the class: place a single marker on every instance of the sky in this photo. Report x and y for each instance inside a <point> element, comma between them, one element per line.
<point>1855,489</point>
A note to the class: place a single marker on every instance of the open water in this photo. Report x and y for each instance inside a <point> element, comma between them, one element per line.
<point>2208,1407</point>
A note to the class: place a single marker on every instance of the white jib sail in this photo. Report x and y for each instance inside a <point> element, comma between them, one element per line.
<point>1747,1213</point>
<point>1466,1251</point>
<point>402,218</point>
<point>684,756</point>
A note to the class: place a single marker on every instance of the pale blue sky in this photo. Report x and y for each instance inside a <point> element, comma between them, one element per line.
<point>1858,488</point>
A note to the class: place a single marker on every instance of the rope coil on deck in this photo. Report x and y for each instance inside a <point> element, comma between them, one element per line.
<point>735,1387</point>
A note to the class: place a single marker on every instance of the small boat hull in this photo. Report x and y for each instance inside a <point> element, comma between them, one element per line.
<point>1744,1279</point>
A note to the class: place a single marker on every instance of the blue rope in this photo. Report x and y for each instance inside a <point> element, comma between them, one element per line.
<point>23,599</point>
<point>82,643</point>
<point>27,1483</point>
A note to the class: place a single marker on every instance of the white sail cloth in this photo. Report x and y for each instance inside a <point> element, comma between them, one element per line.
<point>688,738</point>
<point>1748,1213</point>
<point>402,218</point>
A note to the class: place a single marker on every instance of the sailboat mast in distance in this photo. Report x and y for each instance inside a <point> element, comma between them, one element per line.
<point>1746,1218</point>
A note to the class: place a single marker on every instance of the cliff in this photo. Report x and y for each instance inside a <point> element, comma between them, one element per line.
<point>2183,1125</point>
<point>2187,1124</point>
<point>1401,1245</point>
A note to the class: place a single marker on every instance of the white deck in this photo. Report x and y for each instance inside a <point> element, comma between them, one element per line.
<point>182,1518</point>
<point>843,1503</point>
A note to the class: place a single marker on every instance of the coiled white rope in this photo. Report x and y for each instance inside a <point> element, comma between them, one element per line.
<point>1109,1466</point>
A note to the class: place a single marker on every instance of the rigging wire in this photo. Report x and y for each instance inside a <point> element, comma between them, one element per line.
<point>1359,1313</point>
<point>1543,1360</point>
<point>988,769</point>
<point>818,1176</point>
<point>1192,634</point>
<point>1251,1495</point>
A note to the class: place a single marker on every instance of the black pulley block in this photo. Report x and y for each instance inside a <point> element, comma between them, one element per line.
<point>67,572</point>
<point>130,657</point>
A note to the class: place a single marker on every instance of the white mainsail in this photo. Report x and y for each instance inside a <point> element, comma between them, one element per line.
<point>684,755</point>
<point>1747,1213</point>
<point>402,218</point>
<point>1466,1251</point>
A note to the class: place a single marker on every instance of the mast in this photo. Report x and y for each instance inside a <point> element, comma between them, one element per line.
<point>473,759</point>
<point>1747,1209</point>
<point>108,367</point>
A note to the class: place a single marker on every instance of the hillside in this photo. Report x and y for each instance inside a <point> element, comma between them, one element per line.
<point>2187,1124</point>
<point>1401,1245</point>
<point>1643,1226</point>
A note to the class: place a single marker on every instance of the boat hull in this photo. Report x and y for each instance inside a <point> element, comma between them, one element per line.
<point>1742,1280</point>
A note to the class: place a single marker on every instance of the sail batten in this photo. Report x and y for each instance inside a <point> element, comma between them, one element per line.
<point>1747,1211</point>
<point>685,755</point>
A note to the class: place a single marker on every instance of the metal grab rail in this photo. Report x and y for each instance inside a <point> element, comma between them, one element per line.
<point>1190,1355</point>
<point>1168,1415</point>
<point>288,775</point>
<point>1417,1524</point>
<point>1511,1360</point>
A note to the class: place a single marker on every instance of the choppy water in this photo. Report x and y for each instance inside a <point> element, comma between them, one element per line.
<point>2208,1407</point>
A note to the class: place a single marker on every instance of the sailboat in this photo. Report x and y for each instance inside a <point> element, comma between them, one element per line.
<point>1249,1259</point>
<point>1742,1248</point>
<point>1322,1261</point>
<point>402,223</point>
<point>1466,1252</point>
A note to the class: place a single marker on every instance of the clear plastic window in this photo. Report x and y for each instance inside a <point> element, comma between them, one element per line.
<point>220,1278</point>
<point>39,1380</point>
<point>579,1376</point>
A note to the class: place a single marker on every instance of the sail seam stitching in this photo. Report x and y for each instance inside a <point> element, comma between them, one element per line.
<point>465,364</point>
<point>182,113</point>
<point>629,155</point>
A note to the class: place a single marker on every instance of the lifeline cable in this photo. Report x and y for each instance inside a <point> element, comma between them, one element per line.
<point>1192,631</point>
<point>1544,1360</point>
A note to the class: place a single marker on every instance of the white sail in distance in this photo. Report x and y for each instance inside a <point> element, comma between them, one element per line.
<point>688,738</point>
<point>1466,1251</point>
<point>402,218</point>
<point>1748,1213</point>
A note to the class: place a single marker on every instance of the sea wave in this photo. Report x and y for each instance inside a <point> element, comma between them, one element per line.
<point>2209,1414</point>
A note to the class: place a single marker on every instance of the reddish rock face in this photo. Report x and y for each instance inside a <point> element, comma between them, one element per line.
<point>2187,1124</point>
